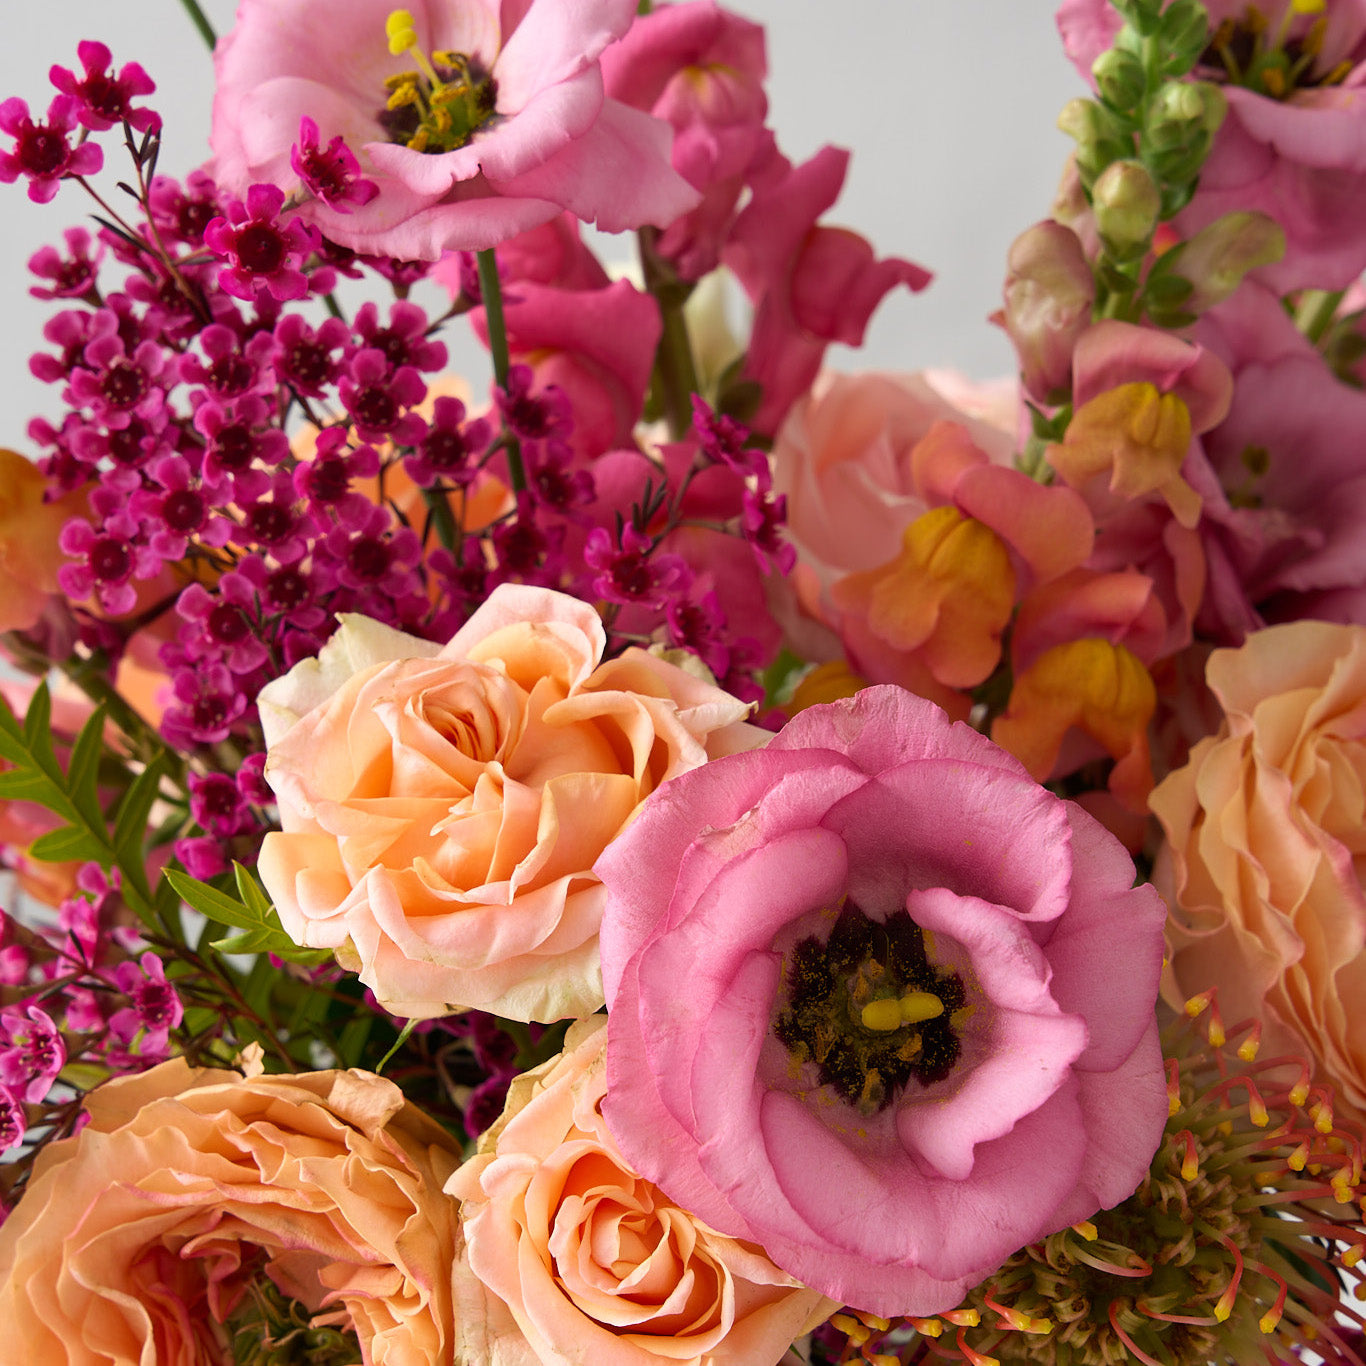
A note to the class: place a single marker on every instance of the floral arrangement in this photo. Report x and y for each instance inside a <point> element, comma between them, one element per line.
<point>677,854</point>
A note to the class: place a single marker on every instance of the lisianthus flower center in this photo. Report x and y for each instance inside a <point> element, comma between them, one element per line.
<point>440,106</point>
<point>869,1008</point>
<point>1277,63</point>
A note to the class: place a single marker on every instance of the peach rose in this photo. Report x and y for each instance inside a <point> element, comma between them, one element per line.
<point>569,1256</point>
<point>1266,832</point>
<point>138,1240</point>
<point>442,807</point>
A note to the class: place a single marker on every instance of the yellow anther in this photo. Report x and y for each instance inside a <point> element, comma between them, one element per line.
<point>1268,1321</point>
<point>1308,6</point>
<point>1353,1254</point>
<point>1197,1005</point>
<point>1273,81</point>
<point>916,1006</point>
<point>1342,1188</point>
<point>927,1328</point>
<point>1247,1050</point>
<point>851,1328</point>
<point>882,1015</point>
<point>963,1318</point>
<point>1298,1158</point>
<point>1087,1230</point>
<point>1299,1093</point>
<point>877,1324</point>
<point>879,1359</point>
<point>398,27</point>
<point>1359,1290</point>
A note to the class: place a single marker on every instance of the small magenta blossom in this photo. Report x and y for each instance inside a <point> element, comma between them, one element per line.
<point>42,152</point>
<point>918,1030</point>
<point>262,250</point>
<point>105,99</point>
<point>474,123</point>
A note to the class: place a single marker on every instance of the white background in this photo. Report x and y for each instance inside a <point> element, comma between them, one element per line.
<point>948,105</point>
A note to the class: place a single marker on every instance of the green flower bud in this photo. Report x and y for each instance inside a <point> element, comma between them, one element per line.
<point>1119,79</point>
<point>1099,138</point>
<point>1127,202</point>
<point>1220,254</point>
<point>1184,33</point>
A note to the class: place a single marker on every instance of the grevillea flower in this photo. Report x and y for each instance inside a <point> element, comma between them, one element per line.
<point>1242,1243</point>
<point>918,1029</point>
<point>474,121</point>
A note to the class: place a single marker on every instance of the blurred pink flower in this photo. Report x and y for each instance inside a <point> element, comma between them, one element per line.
<point>534,133</point>
<point>918,1028</point>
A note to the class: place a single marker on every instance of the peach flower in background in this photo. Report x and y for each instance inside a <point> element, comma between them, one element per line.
<point>570,1256</point>
<point>442,807</point>
<point>843,461</point>
<point>29,528</point>
<point>1266,831</point>
<point>137,1240</point>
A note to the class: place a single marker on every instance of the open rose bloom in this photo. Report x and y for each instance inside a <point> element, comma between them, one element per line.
<point>568,1255</point>
<point>1265,838</point>
<point>519,130</point>
<point>917,1031</point>
<point>142,1238</point>
<point>442,806</point>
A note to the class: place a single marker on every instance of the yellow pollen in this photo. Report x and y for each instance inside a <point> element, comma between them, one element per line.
<point>916,1006</point>
<point>1353,1254</point>
<point>1247,1050</point>
<point>928,1328</point>
<point>1308,6</point>
<point>877,1324</point>
<point>1273,82</point>
<point>879,1359</point>
<point>1268,1321</point>
<point>1299,1093</point>
<point>1298,1158</point>
<point>963,1318</point>
<point>1087,1230</point>
<point>398,27</point>
<point>883,1015</point>
<point>1196,1005</point>
<point>856,1332</point>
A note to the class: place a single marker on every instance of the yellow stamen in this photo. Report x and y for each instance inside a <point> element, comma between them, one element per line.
<point>927,1328</point>
<point>1308,6</point>
<point>851,1328</point>
<point>398,28</point>
<point>882,1015</point>
<point>916,1006</point>
<point>1087,1230</point>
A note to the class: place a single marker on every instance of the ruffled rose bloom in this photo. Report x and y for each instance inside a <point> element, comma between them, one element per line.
<point>140,1238</point>
<point>531,132</point>
<point>570,1256</point>
<point>1265,836</point>
<point>442,806</point>
<point>917,1031</point>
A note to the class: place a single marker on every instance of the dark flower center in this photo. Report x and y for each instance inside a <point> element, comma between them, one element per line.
<point>183,511</point>
<point>260,248</point>
<point>41,151</point>
<point>441,107</point>
<point>870,1010</point>
<point>123,384</point>
<point>111,561</point>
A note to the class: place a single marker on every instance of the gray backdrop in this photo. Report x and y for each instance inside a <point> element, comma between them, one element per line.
<point>949,106</point>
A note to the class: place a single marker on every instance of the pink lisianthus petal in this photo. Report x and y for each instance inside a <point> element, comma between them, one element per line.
<point>554,42</point>
<point>915,842</point>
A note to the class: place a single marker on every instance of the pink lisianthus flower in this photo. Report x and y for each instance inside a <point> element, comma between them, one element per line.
<point>532,132</point>
<point>917,1031</point>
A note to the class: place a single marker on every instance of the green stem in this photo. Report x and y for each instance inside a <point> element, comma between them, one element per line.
<point>439,506</point>
<point>675,374</point>
<point>201,21</point>
<point>492,293</point>
<point>1316,311</point>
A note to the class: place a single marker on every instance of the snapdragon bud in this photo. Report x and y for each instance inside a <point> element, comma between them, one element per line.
<point>1049,292</point>
<point>1184,33</point>
<point>1220,254</point>
<point>1119,78</point>
<point>1181,125</point>
<point>1127,203</point>
<point>1100,140</point>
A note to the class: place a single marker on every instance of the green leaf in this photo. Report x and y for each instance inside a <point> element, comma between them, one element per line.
<point>210,902</point>
<point>71,842</point>
<point>249,941</point>
<point>38,723</point>
<point>130,824</point>
<point>352,1040</point>
<point>252,894</point>
<point>83,771</point>
<point>25,785</point>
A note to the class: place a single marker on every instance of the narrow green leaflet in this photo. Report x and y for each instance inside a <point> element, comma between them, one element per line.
<point>252,913</point>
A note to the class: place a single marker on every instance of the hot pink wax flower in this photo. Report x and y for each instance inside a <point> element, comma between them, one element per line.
<point>474,121</point>
<point>917,1031</point>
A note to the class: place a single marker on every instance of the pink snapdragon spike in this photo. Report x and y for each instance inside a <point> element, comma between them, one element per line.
<point>918,1030</point>
<point>811,284</point>
<point>474,121</point>
<point>1293,144</point>
<point>42,152</point>
<point>702,69</point>
<point>106,99</point>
